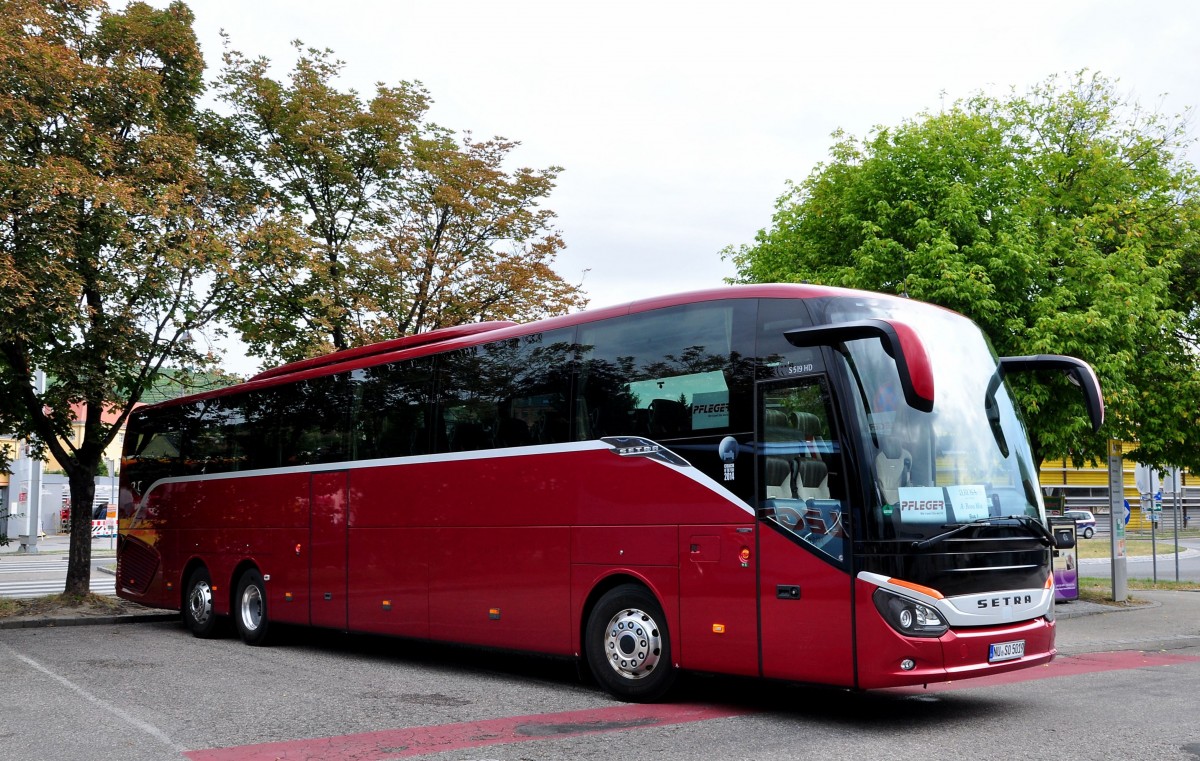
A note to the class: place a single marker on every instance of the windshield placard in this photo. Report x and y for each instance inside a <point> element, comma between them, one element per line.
<point>922,504</point>
<point>961,503</point>
<point>968,501</point>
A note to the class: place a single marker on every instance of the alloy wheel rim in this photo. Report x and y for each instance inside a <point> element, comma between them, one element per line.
<point>632,643</point>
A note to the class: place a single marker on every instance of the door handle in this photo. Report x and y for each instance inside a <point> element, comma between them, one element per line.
<point>787,591</point>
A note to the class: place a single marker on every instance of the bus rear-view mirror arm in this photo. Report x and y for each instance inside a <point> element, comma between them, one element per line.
<point>899,340</point>
<point>1080,373</point>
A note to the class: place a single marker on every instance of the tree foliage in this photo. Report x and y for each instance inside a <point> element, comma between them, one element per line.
<point>1064,220</point>
<point>113,238</point>
<point>376,223</point>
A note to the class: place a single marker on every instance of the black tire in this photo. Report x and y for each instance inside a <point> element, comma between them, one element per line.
<point>250,608</point>
<point>197,607</point>
<point>627,645</point>
<point>1087,533</point>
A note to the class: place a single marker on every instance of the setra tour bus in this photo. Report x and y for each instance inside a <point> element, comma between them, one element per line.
<point>788,481</point>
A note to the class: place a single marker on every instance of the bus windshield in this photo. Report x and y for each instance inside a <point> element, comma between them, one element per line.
<point>966,460</point>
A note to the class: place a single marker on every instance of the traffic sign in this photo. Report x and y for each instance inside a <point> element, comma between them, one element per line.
<point>1127,512</point>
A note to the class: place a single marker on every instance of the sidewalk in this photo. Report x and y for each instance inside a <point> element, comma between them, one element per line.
<point>119,611</point>
<point>1169,620</point>
<point>52,544</point>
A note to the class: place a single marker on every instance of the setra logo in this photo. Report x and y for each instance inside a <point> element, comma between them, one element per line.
<point>1003,602</point>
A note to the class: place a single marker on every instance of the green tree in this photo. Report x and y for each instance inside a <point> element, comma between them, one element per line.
<point>113,233</point>
<point>376,223</point>
<point>1064,220</point>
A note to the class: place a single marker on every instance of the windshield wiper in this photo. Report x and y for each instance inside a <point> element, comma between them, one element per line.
<point>1036,527</point>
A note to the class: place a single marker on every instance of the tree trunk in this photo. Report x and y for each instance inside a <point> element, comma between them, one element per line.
<point>79,564</point>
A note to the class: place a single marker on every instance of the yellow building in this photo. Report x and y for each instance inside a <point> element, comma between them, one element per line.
<point>1086,488</point>
<point>112,453</point>
<point>8,448</point>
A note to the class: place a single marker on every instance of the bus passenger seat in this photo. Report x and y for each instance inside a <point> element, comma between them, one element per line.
<point>812,479</point>
<point>808,427</point>
<point>779,478</point>
<point>893,468</point>
<point>814,521</point>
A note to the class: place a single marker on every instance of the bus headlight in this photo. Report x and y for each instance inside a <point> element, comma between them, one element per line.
<point>909,617</point>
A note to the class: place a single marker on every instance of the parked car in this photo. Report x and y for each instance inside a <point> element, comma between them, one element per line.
<point>1085,522</point>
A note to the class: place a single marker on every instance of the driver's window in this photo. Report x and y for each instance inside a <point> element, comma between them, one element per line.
<point>800,479</point>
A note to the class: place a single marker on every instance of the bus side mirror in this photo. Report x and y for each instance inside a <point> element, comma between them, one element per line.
<point>899,340</point>
<point>1080,373</point>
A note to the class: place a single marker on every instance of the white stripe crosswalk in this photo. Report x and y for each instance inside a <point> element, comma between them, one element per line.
<point>101,584</point>
<point>45,576</point>
<point>40,565</point>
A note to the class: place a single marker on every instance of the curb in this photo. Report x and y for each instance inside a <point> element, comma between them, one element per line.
<point>45,623</point>
<point>1081,608</point>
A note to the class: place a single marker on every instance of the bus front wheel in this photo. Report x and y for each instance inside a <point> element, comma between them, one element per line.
<point>250,608</point>
<point>198,612</point>
<point>627,644</point>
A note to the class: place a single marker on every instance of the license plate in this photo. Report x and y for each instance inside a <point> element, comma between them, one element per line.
<point>1006,651</point>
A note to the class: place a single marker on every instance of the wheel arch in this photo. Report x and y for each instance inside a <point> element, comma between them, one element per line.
<point>239,570</point>
<point>188,569</point>
<point>602,587</point>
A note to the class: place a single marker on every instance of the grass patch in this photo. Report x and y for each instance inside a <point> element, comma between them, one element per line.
<point>62,604</point>
<point>1101,548</point>
<point>1179,586</point>
<point>1099,590</point>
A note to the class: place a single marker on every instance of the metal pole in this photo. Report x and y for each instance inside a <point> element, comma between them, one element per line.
<point>112,500</point>
<point>1153,543</point>
<point>29,543</point>
<point>1116,521</point>
<point>1178,480</point>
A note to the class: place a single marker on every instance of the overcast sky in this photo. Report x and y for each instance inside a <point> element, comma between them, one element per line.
<point>678,123</point>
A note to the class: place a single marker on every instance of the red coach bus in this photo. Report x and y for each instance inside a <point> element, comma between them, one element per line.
<point>788,481</point>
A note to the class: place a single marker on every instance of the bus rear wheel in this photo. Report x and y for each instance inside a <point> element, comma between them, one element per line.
<point>250,608</point>
<point>198,612</point>
<point>627,645</point>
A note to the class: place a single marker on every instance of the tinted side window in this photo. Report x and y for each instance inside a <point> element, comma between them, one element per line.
<point>153,446</point>
<point>220,440</point>
<point>536,408</point>
<point>669,373</point>
<point>778,358</point>
<point>314,424</point>
<point>506,393</point>
<point>391,409</point>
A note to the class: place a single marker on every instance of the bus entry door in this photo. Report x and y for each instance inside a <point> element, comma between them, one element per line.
<point>327,543</point>
<point>804,580</point>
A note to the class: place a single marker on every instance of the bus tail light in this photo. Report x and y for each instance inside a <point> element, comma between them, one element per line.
<point>909,617</point>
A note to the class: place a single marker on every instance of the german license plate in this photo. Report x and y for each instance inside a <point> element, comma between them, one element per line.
<point>1006,651</point>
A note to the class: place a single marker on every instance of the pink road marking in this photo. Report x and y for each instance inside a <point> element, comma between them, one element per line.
<point>415,741</point>
<point>1064,665</point>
